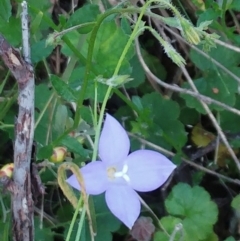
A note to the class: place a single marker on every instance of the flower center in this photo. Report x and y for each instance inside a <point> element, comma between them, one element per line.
<point>112,173</point>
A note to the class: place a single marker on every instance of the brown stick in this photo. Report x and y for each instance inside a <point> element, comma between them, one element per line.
<point>21,69</point>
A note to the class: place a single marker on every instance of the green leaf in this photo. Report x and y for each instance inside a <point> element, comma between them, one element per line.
<point>155,65</point>
<point>63,89</point>
<point>75,37</point>
<point>109,44</point>
<point>45,152</point>
<point>5,10</point>
<point>217,85</point>
<point>42,234</point>
<point>230,122</point>
<point>40,5</point>
<point>208,15</point>
<point>35,24</point>
<point>226,57</point>
<point>164,114</point>
<point>236,203</point>
<point>5,232</point>
<point>189,116</point>
<point>40,51</point>
<point>106,223</point>
<point>235,5</point>
<point>75,146</point>
<point>87,13</point>
<point>198,212</point>
<point>137,74</point>
<point>76,81</point>
<point>169,223</point>
<point>230,239</point>
<point>211,237</point>
<point>45,111</point>
<point>60,118</point>
<point>126,27</point>
<point>12,30</point>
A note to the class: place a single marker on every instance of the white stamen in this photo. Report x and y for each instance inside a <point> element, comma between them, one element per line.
<point>126,177</point>
<point>123,173</point>
<point>125,168</point>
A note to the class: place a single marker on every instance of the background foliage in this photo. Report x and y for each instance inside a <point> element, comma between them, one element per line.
<point>157,99</point>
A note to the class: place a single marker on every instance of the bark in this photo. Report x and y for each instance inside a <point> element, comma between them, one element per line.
<point>22,202</point>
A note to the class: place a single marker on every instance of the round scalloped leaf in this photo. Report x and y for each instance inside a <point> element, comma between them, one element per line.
<point>164,114</point>
<point>216,85</point>
<point>230,239</point>
<point>195,207</point>
<point>169,223</point>
<point>236,203</point>
<point>230,121</point>
<point>226,57</point>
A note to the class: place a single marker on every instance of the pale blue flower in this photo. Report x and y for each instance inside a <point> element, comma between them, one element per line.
<point>120,174</point>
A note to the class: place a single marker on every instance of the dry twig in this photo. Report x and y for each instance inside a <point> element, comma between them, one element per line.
<point>21,69</point>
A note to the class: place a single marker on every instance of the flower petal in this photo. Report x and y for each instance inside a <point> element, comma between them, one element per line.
<point>124,203</point>
<point>148,170</point>
<point>114,143</point>
<point>95,178</point>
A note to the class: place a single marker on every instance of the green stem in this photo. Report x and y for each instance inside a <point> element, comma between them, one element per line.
<point>109,90</point>
<point>74,219</point>
<point>80,225</point>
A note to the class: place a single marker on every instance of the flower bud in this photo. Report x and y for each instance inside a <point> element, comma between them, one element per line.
<point>7,170</point>
<point>59,154</point>
<point>173,54</point>
<point>189,32</point>
<point>81,139</point>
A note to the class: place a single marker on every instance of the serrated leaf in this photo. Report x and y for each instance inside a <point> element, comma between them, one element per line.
<point>164,113</point>
<point>169,223</point>
<point>63,89</point>
<point>5,10</point>
<point>198,212</point>
<point>85,14</point>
